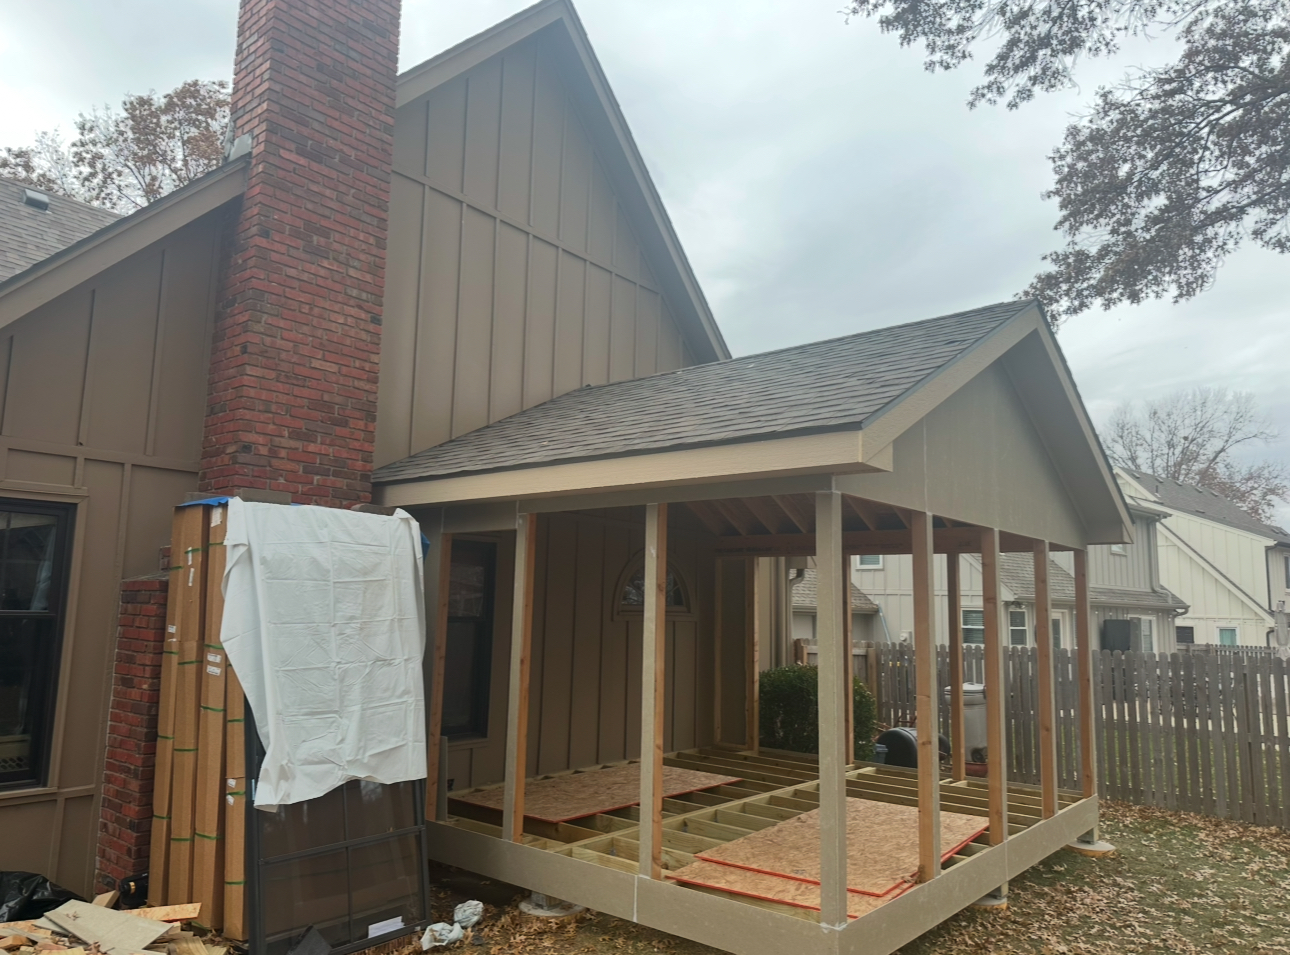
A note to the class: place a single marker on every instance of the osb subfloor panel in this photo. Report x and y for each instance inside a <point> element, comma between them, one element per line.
<point>581,794</point>
<point>770,888</point>
<point>882,846</point>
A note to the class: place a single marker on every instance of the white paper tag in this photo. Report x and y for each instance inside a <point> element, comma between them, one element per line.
<point>217,517</point>
<point>230,800</point>
<point>214,658</point>
<point>171,628</point>
<point>389,925</point>
<point>191,571</point>
<point>214,671</point>
<point>232,783</point>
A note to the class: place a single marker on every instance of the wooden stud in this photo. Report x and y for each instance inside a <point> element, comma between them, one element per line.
<point>700,510</point>
<point>235,921</point>
<point>208,827</point>
<point>849,665</point>
<point>440,576</point>
<point>752,657</point>
<point>718,645</point>
<point>653,691</point>
<point>730,512</point>
<point>867,511</point>
<point>796,513</point>
<point>517,717</point>
<point>926,721</point>
<point>996,688</point>
<point>765,510</point>
<point>1046,704</point>
<point>1084,652</point>
<point>954,620</point>
<point>832,706</point>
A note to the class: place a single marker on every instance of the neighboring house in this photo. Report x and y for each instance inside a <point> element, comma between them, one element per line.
<point>1124,584</point>
<point>864,612</point>
<point>1233,570</point>
<point>456,290</point>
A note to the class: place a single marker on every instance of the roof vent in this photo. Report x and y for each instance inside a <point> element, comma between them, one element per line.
<point>37,200</point>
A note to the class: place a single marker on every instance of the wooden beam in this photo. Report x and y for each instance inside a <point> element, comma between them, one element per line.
<point>653,686</point>
<point>925,716</point>
<point>1084,653</point>
<point>439,575</point>
<point>731,513</point>
<point>1047,703</point>
<point>517,716</point>
<point>752,657</point>
<point>795,512</point>
<point>996,688</point>
<point>770,514</point>
<point>831,649</point>
<point>704,513</point>
<point>946,540</point>
<point>954,620</point>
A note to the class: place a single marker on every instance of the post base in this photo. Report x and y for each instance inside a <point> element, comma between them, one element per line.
<point>1094,850</point>
<point>991,903</point>
<point>548,907</point>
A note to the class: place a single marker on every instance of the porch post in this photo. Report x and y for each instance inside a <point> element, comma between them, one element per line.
<point>752,657</point>
<point>849,670</point>
<point>1047,704</point>
<point>996,688</point>
<point>954,619</point>
<point>832,702</point>
<point>653,682</point>
<point>517,713</point>
<point>438,577</point>
<point>718,646</point>
<point>925,717</point>
<point>1084,652</point>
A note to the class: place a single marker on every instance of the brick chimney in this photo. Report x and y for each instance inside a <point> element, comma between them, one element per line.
<point>294,363</point>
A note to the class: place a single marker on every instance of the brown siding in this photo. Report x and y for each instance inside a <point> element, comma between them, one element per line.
<point>514,274</point>
<point>102,406</point>
<point>585,694</point>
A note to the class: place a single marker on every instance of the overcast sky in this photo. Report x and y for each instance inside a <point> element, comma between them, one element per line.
<point>820,180</point>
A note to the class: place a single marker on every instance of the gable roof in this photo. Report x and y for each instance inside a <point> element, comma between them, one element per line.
<point>806,594</point>
<point>48,278</point>
<point>1202,502</point>
<point>833,385</point>
<point>29,234</point>
<point>558,23</point>
<point>1017,575</point>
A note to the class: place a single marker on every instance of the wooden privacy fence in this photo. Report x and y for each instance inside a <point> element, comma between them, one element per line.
<point>1199,732</point>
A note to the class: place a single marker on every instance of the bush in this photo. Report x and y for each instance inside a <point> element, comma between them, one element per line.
<point>790,711</point>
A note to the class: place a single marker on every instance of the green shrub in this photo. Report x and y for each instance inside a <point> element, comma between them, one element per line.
<point>790,711</point>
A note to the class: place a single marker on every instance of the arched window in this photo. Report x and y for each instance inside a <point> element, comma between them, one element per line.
<point>631,591</point>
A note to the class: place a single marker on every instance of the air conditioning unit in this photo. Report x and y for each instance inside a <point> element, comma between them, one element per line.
<point>1116,635</point>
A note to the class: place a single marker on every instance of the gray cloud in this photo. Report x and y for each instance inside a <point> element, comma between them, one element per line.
<point>821,181</point>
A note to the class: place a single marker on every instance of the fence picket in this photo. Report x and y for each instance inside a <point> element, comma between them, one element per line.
<point>1267,741</point>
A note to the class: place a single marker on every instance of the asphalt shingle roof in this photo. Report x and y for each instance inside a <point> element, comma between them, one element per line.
<point>1201,502</point>
<point>29,235</point>
<point>822,386</point>
<point>1017,573</point>
<point>805,594</point>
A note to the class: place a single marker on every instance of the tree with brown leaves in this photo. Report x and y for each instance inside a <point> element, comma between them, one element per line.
<point>1173,168</point>
<point>124,159</point>
<point>1192,436</point>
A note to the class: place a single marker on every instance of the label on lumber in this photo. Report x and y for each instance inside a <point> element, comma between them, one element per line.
<point>215,658</point>
<point>214,671</point>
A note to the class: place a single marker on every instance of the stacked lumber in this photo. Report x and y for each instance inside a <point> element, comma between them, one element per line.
<point>198,830</point>
<point>82,928</point>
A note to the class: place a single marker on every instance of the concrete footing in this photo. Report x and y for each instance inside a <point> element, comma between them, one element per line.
<point>548,907</point>
<point>1094,850</point>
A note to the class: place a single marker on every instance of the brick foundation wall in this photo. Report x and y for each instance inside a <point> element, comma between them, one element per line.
<point>292,400</point>
<point>125,819</point>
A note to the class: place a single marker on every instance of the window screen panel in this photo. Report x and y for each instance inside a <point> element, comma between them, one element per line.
<point>974,626</point>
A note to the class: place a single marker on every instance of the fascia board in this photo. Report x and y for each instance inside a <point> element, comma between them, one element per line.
<point>81,261</point>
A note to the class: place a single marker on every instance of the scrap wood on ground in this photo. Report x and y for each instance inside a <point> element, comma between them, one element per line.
<point>81,928</point>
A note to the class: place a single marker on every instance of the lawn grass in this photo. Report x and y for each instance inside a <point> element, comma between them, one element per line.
<point>1179,884</point>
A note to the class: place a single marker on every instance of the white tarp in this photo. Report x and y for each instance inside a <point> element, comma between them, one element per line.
<point>324,623</point>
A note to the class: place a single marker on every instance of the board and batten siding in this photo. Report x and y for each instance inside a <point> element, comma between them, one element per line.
<point>585,694</point>
<point>102,396</point>
<point>1132,570</point>
<point>514,274</point>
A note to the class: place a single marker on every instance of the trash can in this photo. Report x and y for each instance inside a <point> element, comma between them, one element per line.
<point>974,732</point>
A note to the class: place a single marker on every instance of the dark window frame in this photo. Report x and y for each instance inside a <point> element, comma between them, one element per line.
<point>485,623</point>
<point>44,707</point>
<point>622,610</point>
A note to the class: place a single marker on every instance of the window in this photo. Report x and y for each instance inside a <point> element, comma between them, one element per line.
<point>469,652</point>
<point>974,626</point>
<point>1287,563</point>
<point>1120,550</point>
<point>634,592</point>
<point>1018,634</point>
<point>1227,636</point>
<point>874,562</point>
<point>1142,634</point>
<point>1185,634</point>
<point>1057,633</point>
<point>34,547</point>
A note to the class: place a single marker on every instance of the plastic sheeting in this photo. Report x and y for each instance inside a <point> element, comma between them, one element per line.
<point>324,623</point>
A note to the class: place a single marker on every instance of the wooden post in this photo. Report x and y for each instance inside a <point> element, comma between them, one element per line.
<point>718,646</point>
<point>832,701</point>
<point>752,657</point>
<point>996,688</point>
<point>1084,652</point>
<point>849,672</point>
<point>653,686</point>
<point>1047,703</point>
<point>954,619</point>
<point>439,576</point>
<point>235,924</point>
<point>208,817</point>
<point>928,726</point>
<point>517,716</point>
